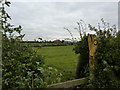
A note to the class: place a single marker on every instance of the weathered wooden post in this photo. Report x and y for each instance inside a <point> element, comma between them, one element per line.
<point>92,43</point>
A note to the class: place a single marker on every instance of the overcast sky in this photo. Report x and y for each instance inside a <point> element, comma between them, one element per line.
<point>47,19</point>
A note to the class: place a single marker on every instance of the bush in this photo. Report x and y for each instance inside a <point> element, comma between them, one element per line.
<point>107,71</point>
<point>82,49</point>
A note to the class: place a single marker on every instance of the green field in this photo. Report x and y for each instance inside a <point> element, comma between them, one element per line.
<point>61,57</point>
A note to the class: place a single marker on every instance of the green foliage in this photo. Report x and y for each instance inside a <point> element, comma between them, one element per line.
<point>82,49</point>
<point>62,58</point>
<point>52,75</point>
<point>108,70</point>
<point>21,66</point>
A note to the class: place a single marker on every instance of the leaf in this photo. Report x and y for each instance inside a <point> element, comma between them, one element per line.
<point>7,3</point>
<point>29,73</point>
<point>105,62</point>
<point>106,69</point>
<point>41,69</point>
<point>37,62</point>
<point>50,68</point>
<point>8,16</point>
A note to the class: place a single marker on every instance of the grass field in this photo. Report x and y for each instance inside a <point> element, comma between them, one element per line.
<point>61,57</point>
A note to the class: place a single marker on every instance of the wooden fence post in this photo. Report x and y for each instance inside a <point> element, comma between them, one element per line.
<point>92,43</point>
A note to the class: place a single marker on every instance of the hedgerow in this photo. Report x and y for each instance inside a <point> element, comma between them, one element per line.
<point>107,71</point>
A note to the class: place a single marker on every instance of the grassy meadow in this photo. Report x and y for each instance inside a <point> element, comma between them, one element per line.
<point>62,58</point>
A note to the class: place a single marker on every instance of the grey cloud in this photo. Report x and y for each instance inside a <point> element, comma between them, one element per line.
<point>40,19</point>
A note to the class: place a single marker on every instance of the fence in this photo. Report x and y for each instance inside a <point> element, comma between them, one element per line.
<point>70,83</point>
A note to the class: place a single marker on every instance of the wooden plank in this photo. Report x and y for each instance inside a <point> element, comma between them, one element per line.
<point>70,83</point>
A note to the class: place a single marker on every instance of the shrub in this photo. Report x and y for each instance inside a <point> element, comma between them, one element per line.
<point>82,49</point>
<point>108,70</point>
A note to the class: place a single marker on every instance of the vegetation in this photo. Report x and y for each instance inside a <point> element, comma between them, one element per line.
<point>25,67</point>
<point>108,70</point>
<point>83,51</point>
<point>62,58</point>
<point>38,44</point>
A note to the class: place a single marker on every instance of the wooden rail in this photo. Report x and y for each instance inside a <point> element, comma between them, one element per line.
<point>70,83</point>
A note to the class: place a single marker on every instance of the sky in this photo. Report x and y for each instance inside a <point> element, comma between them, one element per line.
<point>48,19</point>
